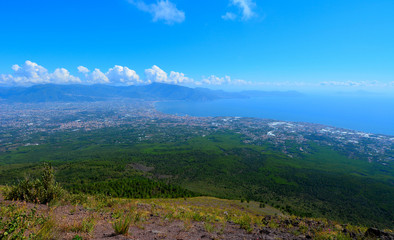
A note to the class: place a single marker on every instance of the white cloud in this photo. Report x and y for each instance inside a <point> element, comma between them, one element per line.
<point>62,75</point>
<point>123,75</point>
<point>246,7</point>
<point>97,77</point>
<point>6,79</point>
<point>327,84</point>
<point>31,73</point>
<point>162,10</point>
<point>83,69</point>
<point>179,78</point>
<point>226,80</point>
<point>118,75</point>
<point>354,84</point>
<point>214,80</point>
<point>156,74</point>
<point>229,16</point>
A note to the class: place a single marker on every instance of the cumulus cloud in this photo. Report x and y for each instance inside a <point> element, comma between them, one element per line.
<point>123,75</point>
<point>156,74</point>
<point>118,75</point>
<point>246,8</point>
<point>97,76</point>
<point>162,10</point>
<point>62,75</point>
<point>83,69</point>
<point>214,80</point>
<point>179,78</point>
<point>31,73</point>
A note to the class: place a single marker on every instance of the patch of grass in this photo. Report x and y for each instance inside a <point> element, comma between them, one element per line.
<point>77,237</point>
<point>197,217</point>
<point>48,231</point>
<point>213,214</point>
<point>78,198</point>
<point>209,227</point>
<point>19,222</point>
<point>122,225</point>
<point>86,225</point>
<point>245,223</point>
<point>187,225</point>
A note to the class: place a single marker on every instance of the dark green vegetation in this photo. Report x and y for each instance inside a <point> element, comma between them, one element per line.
<point>41,190</point>
<point>133,187</point>
<point>46,190</point>
<point>322,183</point>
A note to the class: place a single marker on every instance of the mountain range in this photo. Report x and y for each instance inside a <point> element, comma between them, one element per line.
<point>100,92</point>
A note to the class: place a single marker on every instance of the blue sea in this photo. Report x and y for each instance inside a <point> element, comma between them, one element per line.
<point>372,114</point>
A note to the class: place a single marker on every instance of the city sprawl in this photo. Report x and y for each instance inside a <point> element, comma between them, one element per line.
<point>32,124</point>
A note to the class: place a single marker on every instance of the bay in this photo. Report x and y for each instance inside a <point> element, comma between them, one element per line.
<point>373,114</point>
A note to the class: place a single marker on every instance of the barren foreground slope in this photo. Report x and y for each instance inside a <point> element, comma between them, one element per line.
<point>195,218</point>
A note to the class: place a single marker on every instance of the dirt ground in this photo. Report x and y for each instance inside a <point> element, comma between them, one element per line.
<point>154,227</point>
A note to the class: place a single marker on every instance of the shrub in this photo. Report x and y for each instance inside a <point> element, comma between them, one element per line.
<point>43,190</point>
<point>245,223</point>
<point>122,225</point>
<point>79,198</point>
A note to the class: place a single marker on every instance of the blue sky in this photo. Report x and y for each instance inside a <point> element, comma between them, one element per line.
<point>265,44</point>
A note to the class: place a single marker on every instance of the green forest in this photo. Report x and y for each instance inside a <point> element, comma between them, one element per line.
<point>133,187</point>
<point>322,183</point>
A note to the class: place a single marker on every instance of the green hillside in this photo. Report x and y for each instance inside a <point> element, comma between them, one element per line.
<point>321,183</point>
